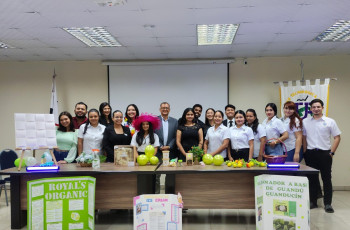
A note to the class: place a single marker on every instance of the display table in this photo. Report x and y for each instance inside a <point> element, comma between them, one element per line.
<point>220,187</point>
<point>202,187</point>
<point>115,186</point>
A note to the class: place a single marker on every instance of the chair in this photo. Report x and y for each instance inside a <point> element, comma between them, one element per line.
<point>7,159</point>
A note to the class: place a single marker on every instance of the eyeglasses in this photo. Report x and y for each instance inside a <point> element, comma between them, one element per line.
<point>164,108</point>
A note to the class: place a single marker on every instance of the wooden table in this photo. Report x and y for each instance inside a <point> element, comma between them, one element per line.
<point>115,186</point>
<point>219,187</point>
<point>202,187</point>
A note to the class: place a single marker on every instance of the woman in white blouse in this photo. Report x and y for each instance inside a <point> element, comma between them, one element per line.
<point>218,137</point>
<point>90,134</point>
<point>259,134</point>
<point>275,131</point>
<point>294,126</point>
<point>242,138</point>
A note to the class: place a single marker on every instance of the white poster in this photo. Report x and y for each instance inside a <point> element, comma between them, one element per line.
<point>282,202</point>
<point>302,95</point>
<point>35,130</point>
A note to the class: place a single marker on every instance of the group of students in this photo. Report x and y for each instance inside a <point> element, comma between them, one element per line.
<point>239,136</point>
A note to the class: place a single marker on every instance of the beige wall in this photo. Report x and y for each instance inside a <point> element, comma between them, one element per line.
<point>252,85</point>
<point>26,87</point>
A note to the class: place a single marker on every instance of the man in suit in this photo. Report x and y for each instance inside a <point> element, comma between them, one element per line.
<point>167,136</point>
<point>230,114</point>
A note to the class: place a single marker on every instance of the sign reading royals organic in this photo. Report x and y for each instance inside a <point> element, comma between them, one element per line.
<point>302,95</point>
<point>61,203</point>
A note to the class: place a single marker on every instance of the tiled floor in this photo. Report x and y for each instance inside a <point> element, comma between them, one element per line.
<point>215,219</point>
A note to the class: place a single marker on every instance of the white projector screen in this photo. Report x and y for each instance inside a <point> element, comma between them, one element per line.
<point>181,86</point>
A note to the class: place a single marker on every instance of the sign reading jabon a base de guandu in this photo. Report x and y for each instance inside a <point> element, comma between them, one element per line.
<point>61,203</point>
<point>282,202</point>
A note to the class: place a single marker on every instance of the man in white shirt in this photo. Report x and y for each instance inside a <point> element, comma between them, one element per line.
<point>318,151</point>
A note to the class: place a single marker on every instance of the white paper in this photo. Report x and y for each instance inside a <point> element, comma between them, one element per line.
<point>76,225</point>
<point>20,125</point>
<point>54,211</point>
<point>40,125</point>
<point>20,117</point>
<point>40,117</point>
<point>30,133</point>
<point>38,214</point>
<point>57,226</point>
<point>40,133</point>
<point>20,134</point>
<point>76,205</point>
<point>30,125</point>
<point>31,143</point>
<point>37,190</point>
<point>30,117</point>
<point>21,142</point>
<point>41,142</point>
<point>157,220</point>
<point>49,126</point>
<point>49,117</point>
<point>91,209</point>
<point>51,142</point>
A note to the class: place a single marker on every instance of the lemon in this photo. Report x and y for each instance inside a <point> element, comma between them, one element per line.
<point>239,165</point>
<point>262,164</point>
<point>229,164</point>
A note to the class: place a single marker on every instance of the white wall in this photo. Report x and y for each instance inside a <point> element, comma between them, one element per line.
<point>26,87</point>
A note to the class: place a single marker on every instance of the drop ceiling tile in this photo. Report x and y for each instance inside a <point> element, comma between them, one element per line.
<point>177,41</point>
<point>33,43</point>
<point>138,41</point>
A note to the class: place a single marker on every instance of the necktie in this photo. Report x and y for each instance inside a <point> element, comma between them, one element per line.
<point>230,124</point>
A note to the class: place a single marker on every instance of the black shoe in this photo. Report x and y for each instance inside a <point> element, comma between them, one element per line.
<point>328,208</point>
<point>313,205</point>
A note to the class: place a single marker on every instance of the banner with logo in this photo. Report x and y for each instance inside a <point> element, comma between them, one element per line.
<point>61,203</point>
<point>302,95</point>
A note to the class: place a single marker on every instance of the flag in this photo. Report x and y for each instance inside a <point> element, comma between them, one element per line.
<point>54,101</point>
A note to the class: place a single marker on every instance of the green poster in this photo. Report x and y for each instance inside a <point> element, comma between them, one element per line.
<point>61,203</point>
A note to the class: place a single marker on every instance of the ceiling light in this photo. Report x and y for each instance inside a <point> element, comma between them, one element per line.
<point>94,36</point>
<point>110,2</point>
<point>5,46</point>
<point>339,32</point>
<point>216,34</point>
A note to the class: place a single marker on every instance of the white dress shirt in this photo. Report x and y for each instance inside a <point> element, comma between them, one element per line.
<point>240,137</point>
<point>274,128</point>
<point>318,132</point>
<point>260,132</point>
<point>216,137</point>
<point>165,124</point>
<point>92,139</point>
<point>146,141</point>
<point>290,142</point>
<point>228,122</point>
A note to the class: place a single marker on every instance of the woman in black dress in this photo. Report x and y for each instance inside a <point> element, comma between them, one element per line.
<point>115,134</point>
<point>188,134</point>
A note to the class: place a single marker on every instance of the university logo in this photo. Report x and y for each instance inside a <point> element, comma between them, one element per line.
<point>302,99</point>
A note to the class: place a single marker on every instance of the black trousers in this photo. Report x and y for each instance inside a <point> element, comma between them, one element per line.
<point>240,154</point>
<point>321,160</point>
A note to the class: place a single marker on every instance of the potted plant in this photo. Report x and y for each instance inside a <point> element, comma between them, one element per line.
<point>85,159</point>
<point>197,154</point>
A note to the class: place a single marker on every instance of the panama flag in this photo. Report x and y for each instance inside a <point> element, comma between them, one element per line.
<point>54,100</point>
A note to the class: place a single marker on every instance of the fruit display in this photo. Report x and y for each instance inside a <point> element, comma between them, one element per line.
<point>218,160</point>
<point>208,159</point>
<point>241,163</point>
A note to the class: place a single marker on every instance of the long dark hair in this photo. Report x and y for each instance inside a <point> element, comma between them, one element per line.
<point>71,125</point>
<point>273,106</point>
<point>241,112</point>
<point>88,120</point>
<point>291,105</point>
<point>255,123</point>
<point>126,113</point>
<point>182,120</point>
<point>206,119</point>
<point>140,135</point>
<point>102,116</point>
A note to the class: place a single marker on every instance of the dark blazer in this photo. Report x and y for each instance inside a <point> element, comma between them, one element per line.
<point>225,122</point>
<point>172,127</point>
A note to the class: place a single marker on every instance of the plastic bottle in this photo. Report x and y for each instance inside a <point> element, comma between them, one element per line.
<point>96,160</point>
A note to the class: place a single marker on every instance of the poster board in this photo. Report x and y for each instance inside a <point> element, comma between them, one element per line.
<point>35,131</point>
<point>158,212</point>
<point>282,202</point>
<point>61,203</point>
